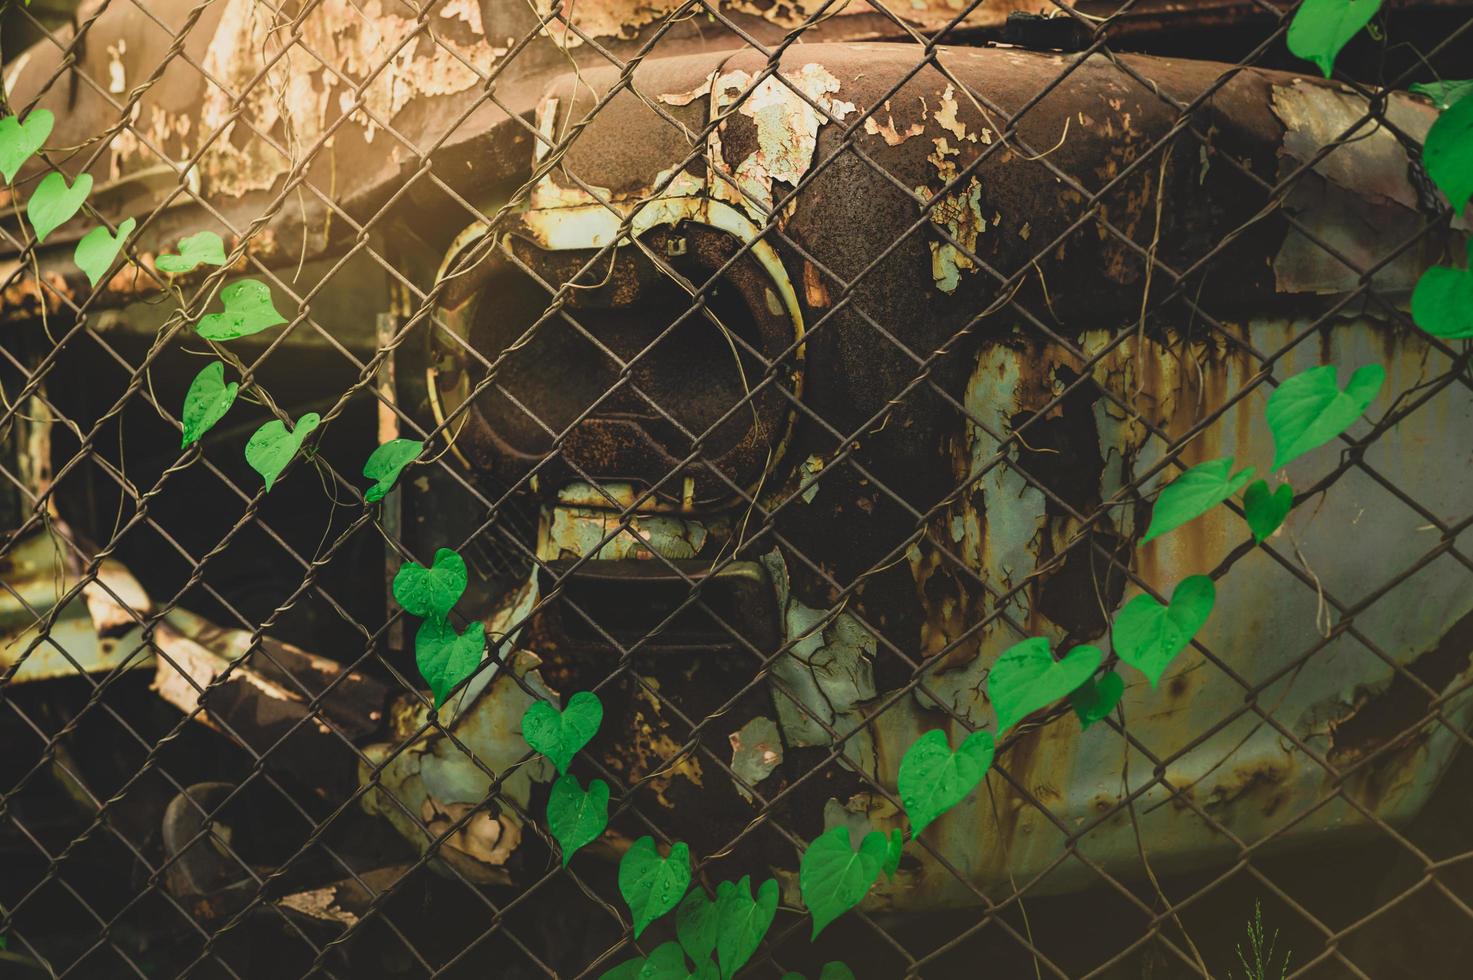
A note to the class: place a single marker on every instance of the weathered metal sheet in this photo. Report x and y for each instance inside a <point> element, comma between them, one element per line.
<point>326,108</point>
<point>96,632</point>
<point>1004,532</point>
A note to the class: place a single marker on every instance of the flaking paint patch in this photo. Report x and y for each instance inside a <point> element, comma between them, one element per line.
<point>436,779</point>
<point>960,213</point>
<point>1356,198</point>
<point>887,130</point>
<point>298,98</point>
<point>756,750</point>
<point>946,117</point>
<point>320,903</point>
<point>995,528</point>
<point>812,466</point>
<point>787,131</point>
<point>580,532</point>
<point>654,758</point>
<point>828,668</point>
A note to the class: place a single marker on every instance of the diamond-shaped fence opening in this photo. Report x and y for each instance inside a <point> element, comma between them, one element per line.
<point>774,371</point>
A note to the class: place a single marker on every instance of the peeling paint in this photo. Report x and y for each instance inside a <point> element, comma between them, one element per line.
<point>756,750</point>
<point>653,756</point>
<point>960,213</point>
<point>787,132</point>
<point>812,466</point>
<point>299,98</point>
<point>1357,198</point>
<point>435,779</point>
<point>320,903</point>
<point>829,667</point>
<point>887,129</point>
<point>575,532</point>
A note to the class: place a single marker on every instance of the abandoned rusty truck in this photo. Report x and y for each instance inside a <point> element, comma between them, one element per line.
<point>776,369</point>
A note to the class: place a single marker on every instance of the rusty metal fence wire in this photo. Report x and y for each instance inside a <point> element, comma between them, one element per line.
<point>1038,263</point>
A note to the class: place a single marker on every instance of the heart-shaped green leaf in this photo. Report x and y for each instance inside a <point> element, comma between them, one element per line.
<point>20,140</point>
<point>652,885</point>
<point>560,734</point>
<point>835,970</point>
<point>53,203</point>
<point>1322,27</point>
<point>444,657</point>
<point>1095,699</point>
<point>933,779</point>
<point>1442,302</point>
<point>628,970</point>
<point>1148,635</point>
<point>273,446</point>
<point>695,925</point>
<point>432,591</point>
<point>576,817</point>
<point>1447,153</point>
<point>834,877</point>
<point>248,310</point>
<point>1265,510</point>
<point>1194,493</point>
<point>741,922</point>
<point>207,401</point>
<point>204,247</point>
<point>1026,677</point>
<point>665,963</point>
<point>97,249</point>
<point>384,464</point>
<point>1308,410</point>
<point>1444,94</point>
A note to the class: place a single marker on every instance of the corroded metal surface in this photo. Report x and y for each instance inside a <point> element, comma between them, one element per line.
<point>1005,533</point>
<point>355,132</point>
<point>95,632</point>
<point>995,560</point>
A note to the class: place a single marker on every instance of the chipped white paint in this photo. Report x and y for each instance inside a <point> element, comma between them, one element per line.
<point>887,129</point>
<point>299,97</point>
<point>320,903</point>
<point>787,131</point>
<point>829,668</point>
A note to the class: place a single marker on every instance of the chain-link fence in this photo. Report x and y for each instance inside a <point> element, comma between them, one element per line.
<point>778,365</point>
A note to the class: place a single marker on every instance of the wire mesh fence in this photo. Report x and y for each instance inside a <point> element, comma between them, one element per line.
<point>776,367</point>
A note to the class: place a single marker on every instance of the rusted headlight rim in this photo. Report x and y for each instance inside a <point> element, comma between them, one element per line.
<point>602,225</point>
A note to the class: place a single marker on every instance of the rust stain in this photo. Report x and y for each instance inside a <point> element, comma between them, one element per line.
<point>653,755</point>
<point>814,290</point>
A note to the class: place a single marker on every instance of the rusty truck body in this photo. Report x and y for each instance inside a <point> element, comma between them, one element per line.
<point>784,378</point>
